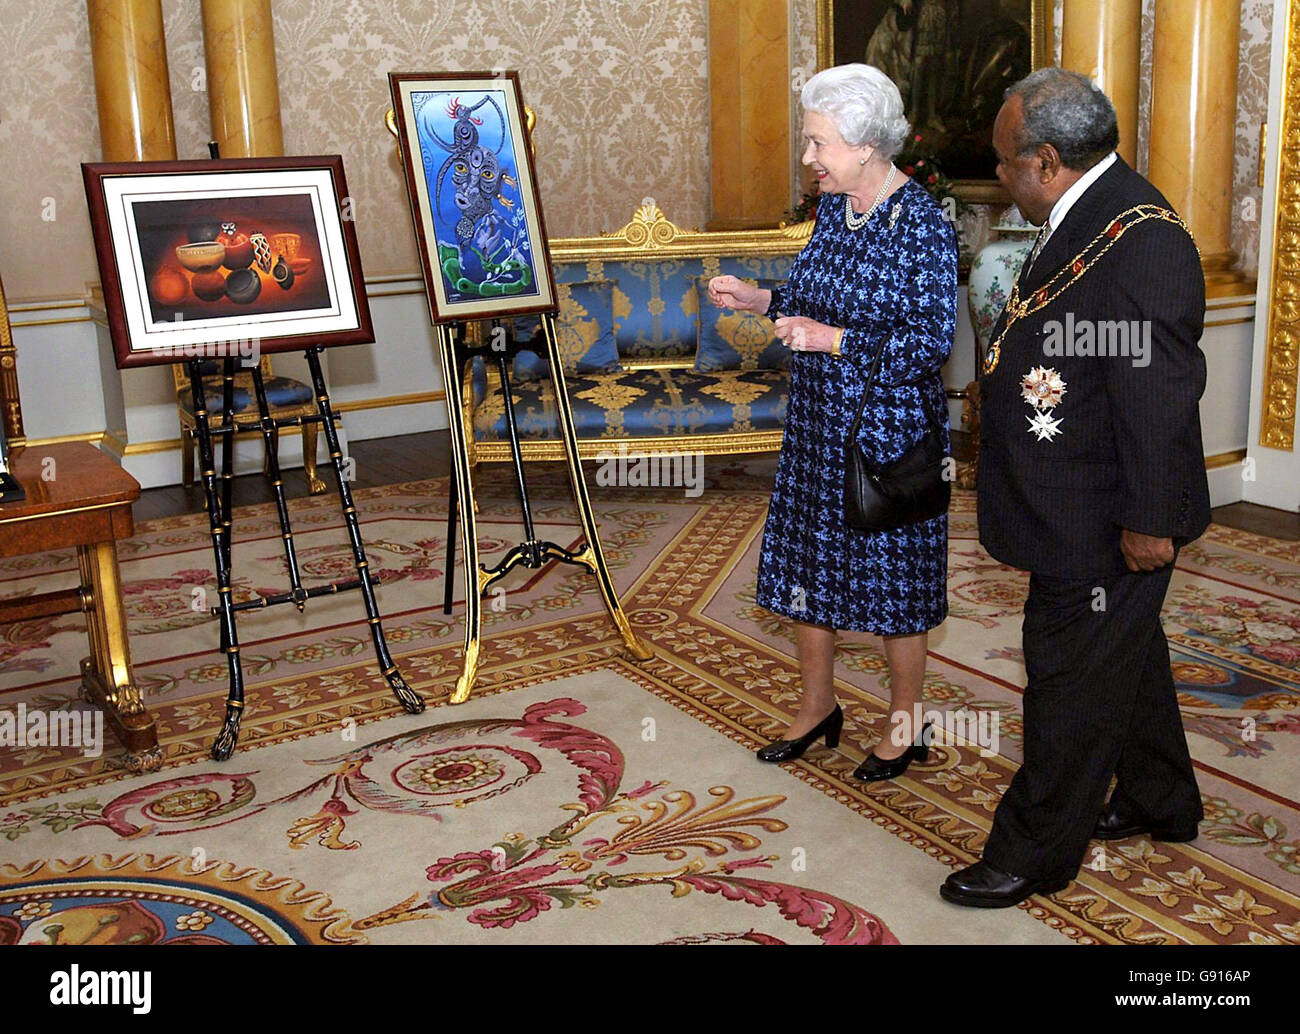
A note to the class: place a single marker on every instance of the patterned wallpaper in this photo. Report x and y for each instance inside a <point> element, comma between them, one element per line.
<point>48,126</point>
<point>1252,109</point>
<point>620,88</point>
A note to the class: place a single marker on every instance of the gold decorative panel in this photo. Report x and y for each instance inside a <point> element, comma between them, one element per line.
<point>1277,423</point>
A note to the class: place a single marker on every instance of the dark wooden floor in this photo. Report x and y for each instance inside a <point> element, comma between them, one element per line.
<point>1263,520</point>
<point>412,457</point>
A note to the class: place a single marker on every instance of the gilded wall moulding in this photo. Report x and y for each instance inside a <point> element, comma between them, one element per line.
<point>651,235</point>
<point>1282,346</point>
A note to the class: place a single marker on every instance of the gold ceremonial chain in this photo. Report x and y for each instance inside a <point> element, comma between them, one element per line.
<point>1081,263</point>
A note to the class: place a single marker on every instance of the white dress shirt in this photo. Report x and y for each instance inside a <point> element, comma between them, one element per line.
<point>1066,201</point>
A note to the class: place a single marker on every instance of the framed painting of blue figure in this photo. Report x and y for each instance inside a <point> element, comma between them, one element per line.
<point>473,192</point>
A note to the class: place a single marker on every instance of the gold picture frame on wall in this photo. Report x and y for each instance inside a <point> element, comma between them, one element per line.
<point>952,60</point>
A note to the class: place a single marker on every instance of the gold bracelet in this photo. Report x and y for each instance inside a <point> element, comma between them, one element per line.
<point>835,345</point>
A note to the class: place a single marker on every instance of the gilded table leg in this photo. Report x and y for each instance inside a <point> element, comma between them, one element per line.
<point>474,576</point>
<point>591,556</point>
<point>107,680</point>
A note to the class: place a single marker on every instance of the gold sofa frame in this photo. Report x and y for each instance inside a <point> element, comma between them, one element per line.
<point>649,236</point>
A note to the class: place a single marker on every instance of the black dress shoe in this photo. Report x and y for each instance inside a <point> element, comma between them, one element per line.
<point>984,886</point>
<point>788,750</point>
<point>874,769</point>
<point>1117,822</point>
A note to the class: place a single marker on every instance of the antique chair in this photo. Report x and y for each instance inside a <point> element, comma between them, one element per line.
<point>287,397</point>
<point>77,498</point>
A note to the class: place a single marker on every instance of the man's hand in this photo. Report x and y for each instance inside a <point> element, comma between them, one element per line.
<point>804,335</point>
<point>729,292</point>
<point>1145,552</point>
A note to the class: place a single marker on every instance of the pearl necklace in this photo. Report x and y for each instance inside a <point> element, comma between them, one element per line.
<point>851,218</point>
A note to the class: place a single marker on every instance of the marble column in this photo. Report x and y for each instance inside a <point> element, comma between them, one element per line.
<point>132,89</point>
<point>749,112</point>
<point>1193,118</point>
<point>1102,40</point>
<point>243,88</point>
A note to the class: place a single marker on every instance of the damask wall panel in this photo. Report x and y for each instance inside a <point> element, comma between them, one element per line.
<point>183,23</point>
<point>620,90</point>
<point>1252,109</point>
<point>48,126</point>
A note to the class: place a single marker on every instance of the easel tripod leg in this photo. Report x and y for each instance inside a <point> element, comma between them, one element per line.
<point>449,583</point>
<point>591,556</point>
<point>270,436</point>
<point>228,737</point>
<point>407,697</point>
<point>464,495</point>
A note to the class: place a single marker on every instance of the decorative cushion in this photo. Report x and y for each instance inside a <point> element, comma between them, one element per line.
<point>732,340</point>
<point>584,332</point>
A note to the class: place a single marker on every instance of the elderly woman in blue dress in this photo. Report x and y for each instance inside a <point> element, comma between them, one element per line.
<point>878,274</point>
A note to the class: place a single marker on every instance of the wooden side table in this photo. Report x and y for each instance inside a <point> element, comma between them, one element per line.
<point>86,504</point>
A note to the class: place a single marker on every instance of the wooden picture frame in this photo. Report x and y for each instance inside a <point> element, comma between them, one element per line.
<point>475,206</point>
<point>229,257</point>
<point>973,49</point>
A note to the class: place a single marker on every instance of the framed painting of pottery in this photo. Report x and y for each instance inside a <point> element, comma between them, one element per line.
<point>952,60</point>
<point>233,257</point>
<point>473,193</point>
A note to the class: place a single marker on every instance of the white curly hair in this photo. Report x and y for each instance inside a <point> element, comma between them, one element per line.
<point>863,103</point>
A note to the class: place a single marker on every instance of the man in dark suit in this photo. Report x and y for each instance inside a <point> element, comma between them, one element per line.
<point>1091,476</point>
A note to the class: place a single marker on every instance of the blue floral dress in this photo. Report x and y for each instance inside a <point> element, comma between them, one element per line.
<point>891,284</point>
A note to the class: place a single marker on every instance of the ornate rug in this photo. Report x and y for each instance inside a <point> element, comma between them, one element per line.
<point>581,798</point>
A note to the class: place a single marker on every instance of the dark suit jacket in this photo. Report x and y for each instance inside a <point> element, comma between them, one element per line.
<point>1128,453</point>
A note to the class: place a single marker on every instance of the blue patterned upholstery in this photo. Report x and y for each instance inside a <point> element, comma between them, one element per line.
<point>737,340</point>
<point>280,391</point>
<point>657,394</point>
<point>636,404</point>
<point>655,303</point>
<point>584,332</point>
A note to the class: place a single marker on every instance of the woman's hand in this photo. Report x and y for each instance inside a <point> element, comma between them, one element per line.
<point>804,335</point>
<point>729,292</point>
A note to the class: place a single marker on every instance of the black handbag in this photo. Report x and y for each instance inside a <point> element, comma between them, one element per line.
<point>913,488</point>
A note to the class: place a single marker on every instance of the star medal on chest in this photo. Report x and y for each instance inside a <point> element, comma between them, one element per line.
<point>1042,390</point>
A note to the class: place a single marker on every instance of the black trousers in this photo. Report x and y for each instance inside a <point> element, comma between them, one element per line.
<point>1100,702</point>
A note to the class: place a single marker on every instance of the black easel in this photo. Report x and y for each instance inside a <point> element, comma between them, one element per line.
<point>219,508</point>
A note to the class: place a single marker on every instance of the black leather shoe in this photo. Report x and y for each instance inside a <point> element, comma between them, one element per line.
<point>788,750</point>
<point>874,769</point>
<point>984,886</point>
<point>1117,822</point>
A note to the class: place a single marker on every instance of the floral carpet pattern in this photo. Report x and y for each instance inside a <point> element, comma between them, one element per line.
<point>580,797</point>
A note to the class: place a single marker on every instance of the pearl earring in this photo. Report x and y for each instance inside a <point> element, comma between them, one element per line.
<point>862,161</point>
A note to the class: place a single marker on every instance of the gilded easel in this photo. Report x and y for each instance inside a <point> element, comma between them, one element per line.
<point>456,351</point>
